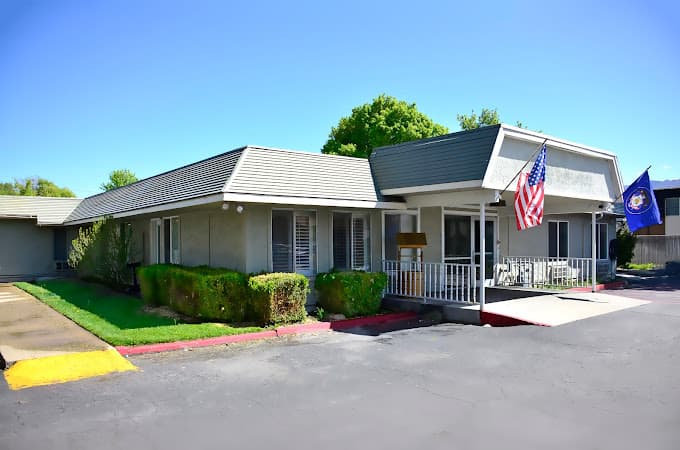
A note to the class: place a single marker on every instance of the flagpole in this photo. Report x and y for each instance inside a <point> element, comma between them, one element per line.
<point>523,167</point>
<point>621,194</point>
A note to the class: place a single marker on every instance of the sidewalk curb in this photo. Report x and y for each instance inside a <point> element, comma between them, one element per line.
<point>600,287</point>
<point>288,330</point>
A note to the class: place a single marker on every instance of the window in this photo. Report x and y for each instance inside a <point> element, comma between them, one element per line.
<point>602,241</point>
<point>558,239</point>
<point>673,206</point>
<point>457,238</point>
<point>351,241</point>
<point>294,242</point>
<point>395,224</point>
<point>165,241</point>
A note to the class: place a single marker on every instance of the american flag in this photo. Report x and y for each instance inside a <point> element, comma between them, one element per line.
<point>529,194</point>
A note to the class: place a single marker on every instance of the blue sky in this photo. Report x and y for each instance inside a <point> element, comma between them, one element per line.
<point>90,86</point>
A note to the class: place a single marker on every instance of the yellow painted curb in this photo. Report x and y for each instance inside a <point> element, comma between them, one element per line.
<point>64,368</point>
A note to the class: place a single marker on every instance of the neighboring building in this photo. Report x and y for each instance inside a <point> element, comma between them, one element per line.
<point>33,240</point>
<point>667,195</point>
<point>265,209</point>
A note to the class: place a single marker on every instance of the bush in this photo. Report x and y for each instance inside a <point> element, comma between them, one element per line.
<point>102,252</point>
<point>354,293</point>
<point>626,246</point>
<point>203,292</point>
<point>224,294</point>
<point>278,298</point>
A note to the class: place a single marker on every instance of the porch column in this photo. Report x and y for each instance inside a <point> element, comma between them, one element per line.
<point>593,261</point>
<point>482,254</point>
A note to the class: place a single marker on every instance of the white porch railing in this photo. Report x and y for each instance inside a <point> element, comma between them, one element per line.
<point>444,282</point>
<point>546,272</point>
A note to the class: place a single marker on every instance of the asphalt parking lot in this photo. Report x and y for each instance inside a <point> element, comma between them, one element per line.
<point>608,382</point>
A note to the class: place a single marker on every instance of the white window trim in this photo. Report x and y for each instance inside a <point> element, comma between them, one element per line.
<point>159,256</point>
<point>665,211</point>
<point>558,238</point>
<point>294,211</point>
<point>367,221</point>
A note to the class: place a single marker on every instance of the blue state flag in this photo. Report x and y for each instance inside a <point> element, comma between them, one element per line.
<point>640,205</point>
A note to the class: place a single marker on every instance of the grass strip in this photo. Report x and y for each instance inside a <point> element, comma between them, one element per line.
<point>119,319</point>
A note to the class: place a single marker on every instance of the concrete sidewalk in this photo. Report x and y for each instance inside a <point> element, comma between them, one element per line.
<point>30,329</point>
<point>558,309</point>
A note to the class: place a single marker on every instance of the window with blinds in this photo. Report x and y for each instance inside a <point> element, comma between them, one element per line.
<point>359,243</point>
<point>294,242</point>
<point>303,243</point>
<point>351,241</point>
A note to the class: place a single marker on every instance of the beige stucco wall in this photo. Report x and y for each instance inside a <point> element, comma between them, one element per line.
<point>26,249</point>
<point>534,241</point>
<point>431,225</point>
<point>568,174</point>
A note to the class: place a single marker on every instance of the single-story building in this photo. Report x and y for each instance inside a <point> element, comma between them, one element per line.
<point>266,209</point>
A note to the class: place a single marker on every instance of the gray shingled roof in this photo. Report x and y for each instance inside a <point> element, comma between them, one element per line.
<point>247,170</point>
<point>429,161</point>
<point>192,181</point>
<point>46,210</point>
<point>665,184</point>
<point>287,173</point>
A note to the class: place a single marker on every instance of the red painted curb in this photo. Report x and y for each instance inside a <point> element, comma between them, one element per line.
<point>600,287</point>
<point>498,320</point>
<point>280,331</point>
<point>303,328</point>
<point>179,345</point>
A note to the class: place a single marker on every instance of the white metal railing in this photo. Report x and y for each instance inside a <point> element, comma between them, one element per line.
<point>547,272</point>
<point>446,282</point>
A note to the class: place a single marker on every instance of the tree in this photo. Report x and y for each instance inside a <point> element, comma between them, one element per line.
<point>119,178</point>
<point>35,186</point>
<point>384,121</point>
<point>472,121</point>
<point>626,246</point>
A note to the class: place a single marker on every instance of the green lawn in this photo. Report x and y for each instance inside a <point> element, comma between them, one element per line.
<point>118,319</point>
<point>647,266</point>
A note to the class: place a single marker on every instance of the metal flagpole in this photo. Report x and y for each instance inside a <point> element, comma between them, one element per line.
<point>621,194</point>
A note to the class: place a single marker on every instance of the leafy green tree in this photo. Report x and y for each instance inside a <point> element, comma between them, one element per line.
<point>472,121</point>
<point>384,121</point>
<point>102,251</point>
<point>119,178</point>
<point>35,186</point>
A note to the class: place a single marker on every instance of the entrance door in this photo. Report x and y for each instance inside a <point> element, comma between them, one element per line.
<point>489,250</point>
<point>457,239</point>
<point>461,243</point>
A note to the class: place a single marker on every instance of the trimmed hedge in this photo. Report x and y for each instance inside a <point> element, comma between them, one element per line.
<point>203,292</point>
<point>278,297</point>
<point>355,293</point>
<point>225,295</point>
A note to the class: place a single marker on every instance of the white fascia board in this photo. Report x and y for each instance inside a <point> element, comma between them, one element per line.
<point>458,185</point>
<point>494,156</point>
<point>532,136</point>
<point>215,198</point>
<point>307,201</point>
